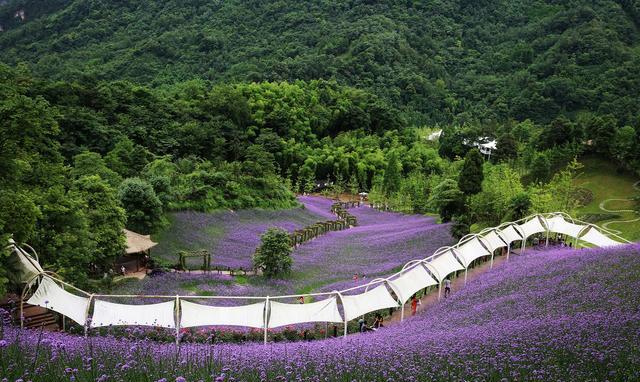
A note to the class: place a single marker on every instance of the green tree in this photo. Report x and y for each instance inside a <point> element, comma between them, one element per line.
<point>447,199</point>
<point>391,182</point>
<point>127,158</point>
<point>90,163</point>
<point>142,206</point>
<point>274,254</point>
<point>623,145</point>
<point>471,175</point>
<point>106,220</point>
<point>519,207</point>
<point>506,147</point>
<point>540,170</point>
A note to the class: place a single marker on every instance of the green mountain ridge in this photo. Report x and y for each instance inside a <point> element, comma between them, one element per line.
<point>437,61</point>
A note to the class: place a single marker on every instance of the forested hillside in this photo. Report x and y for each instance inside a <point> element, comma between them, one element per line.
<point>113,113</point>
<point>437,61</point>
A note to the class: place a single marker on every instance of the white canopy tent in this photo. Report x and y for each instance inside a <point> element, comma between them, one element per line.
<point>443,265</point>
<point>27,267</point>
<point>509,234</point>
<point>558,224</point>
<point>470,251</point>
<point>193,314</point>
<point>50,295</point>
<point>595,237</point>
<point>369,301</point>
<point>493,241</point>
<point>411,281</point>
<point>289,314</point>
<point>531,227</point>
<point>112,314</point>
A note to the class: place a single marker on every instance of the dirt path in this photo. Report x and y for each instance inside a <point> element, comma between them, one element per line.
<point>456,284</point>
<point>636,186</point>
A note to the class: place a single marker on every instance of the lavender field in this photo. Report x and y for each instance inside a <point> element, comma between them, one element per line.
<point>554,315</point>
<point>232,236</point>
<point>382,242</point>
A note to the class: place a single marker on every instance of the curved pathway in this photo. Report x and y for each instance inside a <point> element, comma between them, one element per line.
<point>636,186</point>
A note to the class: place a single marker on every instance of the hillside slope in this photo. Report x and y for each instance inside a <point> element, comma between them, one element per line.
<point>555,315</point>
<point>441,61</point>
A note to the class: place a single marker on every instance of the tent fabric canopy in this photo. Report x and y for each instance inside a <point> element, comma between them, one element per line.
<point>531,227</point>
<point>372,300</point>
<point>470,251</point>
<point>204,315</point>
<point>444,264</point>
<point>137,243</point>
<point>112,314</point>
<point>27,268</point>
<point>287,314</point>
<point>560,225</point>
<point>50,295</point>
<point>493,241</point>
<point>595,237</point>
<point>411,281</point>
<point>510,234</point>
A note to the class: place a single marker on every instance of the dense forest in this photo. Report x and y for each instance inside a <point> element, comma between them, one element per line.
<point>114,112</point>
<point>437,61</point>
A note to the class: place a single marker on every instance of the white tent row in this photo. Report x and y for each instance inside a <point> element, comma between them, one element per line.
<point>271,314</point>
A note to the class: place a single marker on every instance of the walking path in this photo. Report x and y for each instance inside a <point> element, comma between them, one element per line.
<point>636,186</point>
<point>431,298</point>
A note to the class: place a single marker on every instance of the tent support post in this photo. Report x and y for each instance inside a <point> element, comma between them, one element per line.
<point>440,291</point>
<point>402,313</point>
<point>86,317</point>
<point>491,265</point>
<point>465,276</point>
<point>266,326</point>
<point>546,244</point>
<point>508,251</point>
<point>177,309</point>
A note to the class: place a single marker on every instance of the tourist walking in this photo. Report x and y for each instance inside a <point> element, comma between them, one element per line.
<point>414,305</point>
<point>447,287</point>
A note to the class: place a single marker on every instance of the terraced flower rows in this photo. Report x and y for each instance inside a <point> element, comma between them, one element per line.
<point>382,242</point>
<point>559,314</point>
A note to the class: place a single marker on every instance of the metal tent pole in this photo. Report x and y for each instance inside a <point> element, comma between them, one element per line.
<point>177,310</point>
<point>440,291</point>
<point>465,276</point>
<point>266,317</point>
<point>86,317</point>
<point>402,313</point>
<point>508,251</point>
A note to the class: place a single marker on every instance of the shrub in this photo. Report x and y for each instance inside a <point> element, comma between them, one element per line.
<point>274,254</point>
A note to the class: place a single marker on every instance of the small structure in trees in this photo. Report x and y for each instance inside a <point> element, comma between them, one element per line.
<point>137,252</point>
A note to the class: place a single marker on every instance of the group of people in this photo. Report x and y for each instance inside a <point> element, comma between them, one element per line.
<point>377,324</point>
<point>415,301</point>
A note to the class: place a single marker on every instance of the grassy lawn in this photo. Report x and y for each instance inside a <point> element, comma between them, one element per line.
<point>605,182</point>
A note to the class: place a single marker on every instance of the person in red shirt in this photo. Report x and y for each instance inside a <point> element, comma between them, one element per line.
<point>414,305</point>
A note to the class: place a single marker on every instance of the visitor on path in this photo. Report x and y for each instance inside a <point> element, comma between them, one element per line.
<point>301,300</point>
<point>414,305</point>
<point>447,287</point>
<point>377,324</point>
<point>123,270</point>
<point>355,277</point>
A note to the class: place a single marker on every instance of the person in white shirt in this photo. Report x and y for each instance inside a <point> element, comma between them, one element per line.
<point>447,287</point>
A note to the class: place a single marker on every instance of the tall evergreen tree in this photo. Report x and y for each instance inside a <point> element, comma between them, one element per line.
<point>471,176</point>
